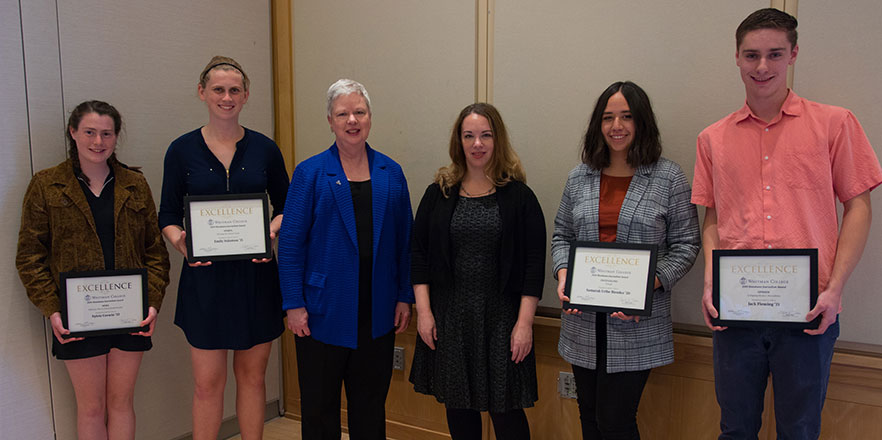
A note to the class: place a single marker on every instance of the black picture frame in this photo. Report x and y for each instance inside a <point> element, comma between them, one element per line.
<point>194,202</point>
<point>812,255</point>
<point>649,250</point>
<point>68,301</point>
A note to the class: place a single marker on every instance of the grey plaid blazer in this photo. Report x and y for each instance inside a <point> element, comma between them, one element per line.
<point>656,210</point>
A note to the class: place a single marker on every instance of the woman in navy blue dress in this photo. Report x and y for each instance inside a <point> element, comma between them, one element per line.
<point>225,305</point>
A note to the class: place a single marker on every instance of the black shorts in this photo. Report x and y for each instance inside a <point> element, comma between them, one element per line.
<point>99,345</point>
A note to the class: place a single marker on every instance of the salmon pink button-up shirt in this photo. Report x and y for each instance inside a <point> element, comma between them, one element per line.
<point>774,185</point>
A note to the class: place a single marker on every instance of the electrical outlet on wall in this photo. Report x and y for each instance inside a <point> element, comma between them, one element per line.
<point>398,359</point>
<point>566,385</point>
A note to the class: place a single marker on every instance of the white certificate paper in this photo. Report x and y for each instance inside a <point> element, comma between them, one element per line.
<point>228,228</point>
<point>104,302</point>
<point>765,288</point>
<point>610,278</point>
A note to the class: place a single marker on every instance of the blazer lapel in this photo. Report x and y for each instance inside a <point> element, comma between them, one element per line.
<point>339,187</point>
<point>593,228</point>
<point>379,195</point>
<point>638,187</point>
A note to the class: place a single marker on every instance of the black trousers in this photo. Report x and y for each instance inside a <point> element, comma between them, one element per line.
<point>608,402</point>
<point>465,424</point>
<point>366,372</point>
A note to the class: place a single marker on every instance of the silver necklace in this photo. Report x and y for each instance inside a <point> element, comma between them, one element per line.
<point>479,194</point>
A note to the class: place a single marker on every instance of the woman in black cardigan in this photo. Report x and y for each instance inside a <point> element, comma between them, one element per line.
<point>478,269</point>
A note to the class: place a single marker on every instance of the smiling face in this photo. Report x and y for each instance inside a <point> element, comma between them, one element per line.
<point>95,138</point>
<point>617,125</point>
<point>763,58</point>
<point>350,120</point>
<point>477,142</point>
<point>224,93</point>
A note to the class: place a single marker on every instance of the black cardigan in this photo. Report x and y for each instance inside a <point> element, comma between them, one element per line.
<point>522,244</point>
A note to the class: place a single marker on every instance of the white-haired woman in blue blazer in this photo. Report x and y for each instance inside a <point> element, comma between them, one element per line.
<point>344,262</point>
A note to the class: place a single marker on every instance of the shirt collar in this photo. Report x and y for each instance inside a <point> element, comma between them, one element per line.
<point>792,106</point>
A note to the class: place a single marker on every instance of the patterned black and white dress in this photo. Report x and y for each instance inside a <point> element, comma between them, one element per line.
<point>471,367</point>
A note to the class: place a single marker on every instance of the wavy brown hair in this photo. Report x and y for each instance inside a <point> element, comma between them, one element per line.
<point>504,165</point>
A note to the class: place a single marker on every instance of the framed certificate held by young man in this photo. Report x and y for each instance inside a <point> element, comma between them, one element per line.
<point>765,287</point>
<point>611,277</point>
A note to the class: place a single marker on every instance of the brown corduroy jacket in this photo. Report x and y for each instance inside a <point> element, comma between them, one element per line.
<point>58,234</point>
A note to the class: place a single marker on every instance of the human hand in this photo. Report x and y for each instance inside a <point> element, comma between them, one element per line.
<point>625,317</point>
<point>561,287</point>
<point>828,306</point>
<point>274,227</point>
<point>180,244</point>
<point>298,321</point>
<point>402,317</point>
<point>707,308</point>
<point>426,328</point>
<point>58,329</point>
<point>150,321</point>
<point>521,341</point>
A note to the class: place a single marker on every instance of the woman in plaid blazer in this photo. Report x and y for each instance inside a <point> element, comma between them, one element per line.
<point>625,192</point>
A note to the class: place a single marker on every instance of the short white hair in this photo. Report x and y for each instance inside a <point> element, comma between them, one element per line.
<point>345,87</point>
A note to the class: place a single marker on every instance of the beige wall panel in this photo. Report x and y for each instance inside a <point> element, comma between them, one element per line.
<point>42,65</point>
<point>839,64</point>
<point>546,82</point>
<point>25,410</point>
<point>145,58</point>
<point>417,60</point>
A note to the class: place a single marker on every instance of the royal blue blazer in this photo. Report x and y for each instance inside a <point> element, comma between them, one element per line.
<point>318,247</point>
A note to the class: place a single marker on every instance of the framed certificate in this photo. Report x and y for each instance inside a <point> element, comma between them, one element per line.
<point>227,227</point>
<point>611,277</point>
<point>765,287</point>
<point>103,302</point>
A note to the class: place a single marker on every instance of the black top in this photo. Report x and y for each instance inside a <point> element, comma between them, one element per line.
<point>229,304</point>
<point>522,244</point>
<point>102,213</point>
<point>362,204</point>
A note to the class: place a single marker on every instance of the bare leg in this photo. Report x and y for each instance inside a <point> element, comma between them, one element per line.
<point>210,377</point>
<point>89,377</point>
<point>122,372</point>
<point>250,369</point>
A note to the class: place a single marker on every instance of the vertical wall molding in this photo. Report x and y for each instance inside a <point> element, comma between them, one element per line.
<point>283,80</point>
<point>790,7</point>
<point>484,50</point>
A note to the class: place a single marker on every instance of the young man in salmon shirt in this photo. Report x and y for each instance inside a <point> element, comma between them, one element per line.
<point>769,175</point>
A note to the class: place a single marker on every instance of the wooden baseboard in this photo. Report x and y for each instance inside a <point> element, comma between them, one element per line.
<point>678,402</point>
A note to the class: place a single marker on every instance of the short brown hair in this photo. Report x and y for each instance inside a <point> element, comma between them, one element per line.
<point>504,165</point>
<point>768,18</point>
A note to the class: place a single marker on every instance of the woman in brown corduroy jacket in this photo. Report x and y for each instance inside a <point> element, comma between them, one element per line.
<point>93,213</point>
